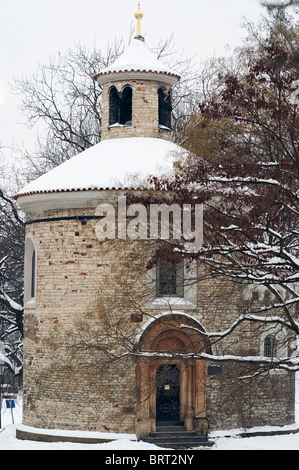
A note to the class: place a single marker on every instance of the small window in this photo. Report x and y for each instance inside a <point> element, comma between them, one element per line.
<point>267,297</point>
<point>30,272</point>
<point>170,279</point>
<point>164,108</point>
<point>270,346</point>
<point>33,276</point>
<point>255,295</point>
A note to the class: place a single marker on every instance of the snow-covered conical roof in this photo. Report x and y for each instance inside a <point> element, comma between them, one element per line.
<point>123,163</point>
<point>137,62</point>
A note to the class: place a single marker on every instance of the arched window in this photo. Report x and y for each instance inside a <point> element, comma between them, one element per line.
<point>126,107</point>
<point>30,272</point>
<point>274,342</point>
<point>270,346</point>
<point>113,106</point>
<point>164,108</point>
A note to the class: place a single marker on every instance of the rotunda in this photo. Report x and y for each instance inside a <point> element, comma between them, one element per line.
<point>111,345</point>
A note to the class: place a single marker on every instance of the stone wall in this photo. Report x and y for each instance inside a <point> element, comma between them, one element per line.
<point>63,385</point>
<point>91,298</point>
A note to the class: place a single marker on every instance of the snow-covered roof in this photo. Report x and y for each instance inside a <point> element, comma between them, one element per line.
<point>137,59</point>
<point>122,163</point>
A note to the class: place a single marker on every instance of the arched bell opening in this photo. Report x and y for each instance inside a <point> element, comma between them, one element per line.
<point>120,106</point>
<point>165,108</point>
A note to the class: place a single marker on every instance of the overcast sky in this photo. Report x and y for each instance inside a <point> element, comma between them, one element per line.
<point>31,31</point>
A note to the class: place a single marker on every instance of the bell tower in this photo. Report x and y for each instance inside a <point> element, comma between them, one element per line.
<point>137,93</point>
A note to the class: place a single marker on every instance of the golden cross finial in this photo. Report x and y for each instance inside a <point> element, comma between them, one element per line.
<point>138,16</point>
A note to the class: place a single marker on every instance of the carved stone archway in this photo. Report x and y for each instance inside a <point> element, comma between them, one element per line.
<point>172,339</point>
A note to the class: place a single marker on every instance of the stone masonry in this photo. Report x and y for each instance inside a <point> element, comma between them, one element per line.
<point>83,284</point>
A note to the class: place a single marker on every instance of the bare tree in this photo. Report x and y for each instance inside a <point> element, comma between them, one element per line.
<point>244,154</point>
<point>11,279</point>
<point>280,5</point>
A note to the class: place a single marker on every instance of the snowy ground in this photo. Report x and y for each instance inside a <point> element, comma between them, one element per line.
<point>8,440</point>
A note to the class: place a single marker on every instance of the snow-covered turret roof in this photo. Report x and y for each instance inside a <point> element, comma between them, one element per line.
<point>122,163</point>
<point>139,62</point>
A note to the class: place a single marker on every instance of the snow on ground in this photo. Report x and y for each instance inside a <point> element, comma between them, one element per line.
<point>8,440</point>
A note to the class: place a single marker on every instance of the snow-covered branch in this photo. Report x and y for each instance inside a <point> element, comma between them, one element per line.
<point>284,363</point>
<point>10,303</point>
<point>243,318</point>
<point>16,370</point>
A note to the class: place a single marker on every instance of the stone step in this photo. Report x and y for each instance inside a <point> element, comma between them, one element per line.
<point>175,439</point>
<point>170,428</point>
<point>174,435</point>
<point>169,423</point>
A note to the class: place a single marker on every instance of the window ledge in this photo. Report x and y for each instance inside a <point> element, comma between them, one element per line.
<point>171,301</point>
<point>117,124</point>
<point>165,128</point>
<point>30,303</point>
<point>278,371</point>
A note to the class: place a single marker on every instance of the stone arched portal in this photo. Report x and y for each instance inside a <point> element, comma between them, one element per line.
<point>172,340</point>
